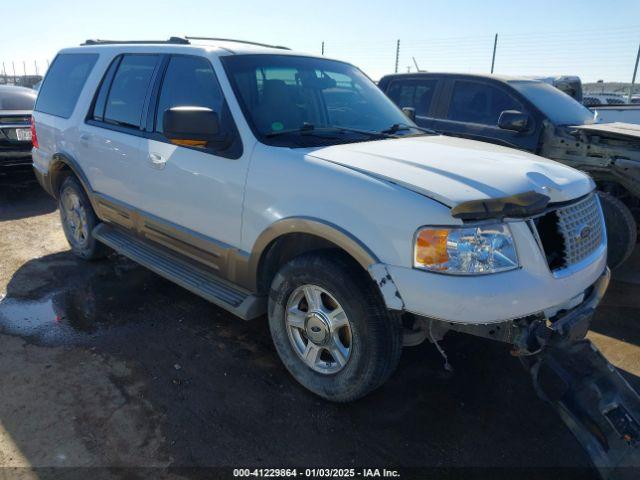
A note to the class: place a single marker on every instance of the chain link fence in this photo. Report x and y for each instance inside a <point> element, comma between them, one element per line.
<point>23,73</point>
<point>597,56</point>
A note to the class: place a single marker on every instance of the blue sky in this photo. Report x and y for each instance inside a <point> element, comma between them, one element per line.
<point>594,39</point>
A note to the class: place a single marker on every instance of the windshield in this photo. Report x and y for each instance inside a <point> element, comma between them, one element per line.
<point>301,101</point>
<point>559,107</point>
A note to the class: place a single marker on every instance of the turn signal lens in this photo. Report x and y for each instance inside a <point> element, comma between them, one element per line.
<point>431,248</point>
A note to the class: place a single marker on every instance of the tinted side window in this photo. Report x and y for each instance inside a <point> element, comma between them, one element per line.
<point>477,102</point>
<point>189,81</point>
<point>105,85</point>
<point>63,83</point>
<point>129,90</point>
<point>416,94</point>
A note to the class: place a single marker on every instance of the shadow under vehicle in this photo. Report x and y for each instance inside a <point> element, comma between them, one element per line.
<point>534,116</point>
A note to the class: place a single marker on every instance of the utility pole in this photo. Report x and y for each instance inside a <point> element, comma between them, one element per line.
<point>35,62</point>
<point>635,70</point>
<point>13,64</point>
<point>323,48</point>
<point>24,67</point>
<point>493,57</point>
<point>397,55</point>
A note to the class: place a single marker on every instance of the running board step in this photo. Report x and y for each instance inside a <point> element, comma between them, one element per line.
<point>170,266</point>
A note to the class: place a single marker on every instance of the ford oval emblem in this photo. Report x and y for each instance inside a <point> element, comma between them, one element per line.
<point>584,232</point>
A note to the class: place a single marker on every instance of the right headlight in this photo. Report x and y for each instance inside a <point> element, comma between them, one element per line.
<point>465,251</point>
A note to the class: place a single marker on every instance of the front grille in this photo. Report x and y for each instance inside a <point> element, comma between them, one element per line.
<point>571,233</point>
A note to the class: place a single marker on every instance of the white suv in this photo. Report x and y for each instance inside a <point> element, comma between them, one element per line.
<point>271,182</point>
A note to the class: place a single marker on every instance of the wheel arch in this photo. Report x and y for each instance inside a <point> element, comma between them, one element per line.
<point>62,165</point>
<point>295,236</point>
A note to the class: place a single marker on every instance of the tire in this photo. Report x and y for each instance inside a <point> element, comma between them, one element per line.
<point>374,333</point>
<point>78,220</point>
<point>621,229</point>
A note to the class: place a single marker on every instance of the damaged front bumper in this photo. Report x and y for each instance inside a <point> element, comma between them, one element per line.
<point>589,394</point>
<point>529,335</point>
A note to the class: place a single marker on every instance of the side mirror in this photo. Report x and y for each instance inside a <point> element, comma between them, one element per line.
<point>410,112</point>
<point>514,120</point>
<point>192,126</point>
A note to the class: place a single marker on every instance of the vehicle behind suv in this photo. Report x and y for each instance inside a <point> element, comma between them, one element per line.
<point>534,116</point>
<point>16,105</point>
<point>280,184</point>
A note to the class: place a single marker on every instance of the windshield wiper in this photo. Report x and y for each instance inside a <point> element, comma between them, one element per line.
<point>310,129</point>
<point>396,127</point>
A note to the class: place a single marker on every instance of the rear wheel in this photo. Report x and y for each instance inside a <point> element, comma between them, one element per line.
<point>78,220</point>
<point>331,328</point>
<point>621,228</point>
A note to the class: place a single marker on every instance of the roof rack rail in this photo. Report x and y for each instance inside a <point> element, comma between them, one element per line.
<point>172,40</point>
<point>238,41</point>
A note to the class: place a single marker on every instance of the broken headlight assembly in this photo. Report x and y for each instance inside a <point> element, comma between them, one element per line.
<point>475,250</point>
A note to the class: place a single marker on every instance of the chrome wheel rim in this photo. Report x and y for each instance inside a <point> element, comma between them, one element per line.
<point>75,218</point>
<point>318,329</point>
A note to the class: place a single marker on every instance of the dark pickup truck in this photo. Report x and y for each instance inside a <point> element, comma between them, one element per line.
<point>534,116</point>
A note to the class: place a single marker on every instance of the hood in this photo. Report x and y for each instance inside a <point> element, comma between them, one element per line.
<point>625,131</point>
<point>454,170</point>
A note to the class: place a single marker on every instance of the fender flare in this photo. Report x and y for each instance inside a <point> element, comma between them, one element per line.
<point>61,160</point>
<point>58,161</point>
<point>312,226</point>
<point>337,236</point>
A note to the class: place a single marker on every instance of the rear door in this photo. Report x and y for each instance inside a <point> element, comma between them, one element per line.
<point>111,140</point>
<point>419,93</point>
<point>472,109</point>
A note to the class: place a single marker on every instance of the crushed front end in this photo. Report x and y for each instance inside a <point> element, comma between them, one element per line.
<point>610,153</point>
<point>589,394</point>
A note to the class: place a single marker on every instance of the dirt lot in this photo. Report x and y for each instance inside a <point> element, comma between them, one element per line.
<point>106,364</point>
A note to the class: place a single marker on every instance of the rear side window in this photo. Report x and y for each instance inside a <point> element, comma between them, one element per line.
<point>101,99</point>
<point>63,83</point>
<point>477,102</point>
<point>415,93</point>
<point>189,81</point>
<point>127,93</point>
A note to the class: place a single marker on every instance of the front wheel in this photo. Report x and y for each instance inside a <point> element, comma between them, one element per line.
<point>331,328</point>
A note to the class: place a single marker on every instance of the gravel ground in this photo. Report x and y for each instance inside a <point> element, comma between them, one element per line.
<point>106,364</point>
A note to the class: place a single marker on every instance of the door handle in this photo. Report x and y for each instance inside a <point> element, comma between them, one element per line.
<point>157,161</point>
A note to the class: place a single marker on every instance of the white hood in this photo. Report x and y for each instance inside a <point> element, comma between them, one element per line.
<point>454,170</point>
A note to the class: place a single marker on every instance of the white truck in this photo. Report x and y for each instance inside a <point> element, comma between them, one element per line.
<point>272,182</point>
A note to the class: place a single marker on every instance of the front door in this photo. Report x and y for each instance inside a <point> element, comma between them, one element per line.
<point>197,189</point>
<point>473,112</point>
